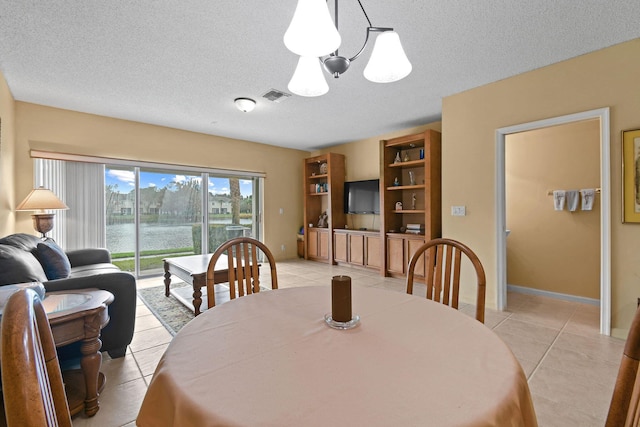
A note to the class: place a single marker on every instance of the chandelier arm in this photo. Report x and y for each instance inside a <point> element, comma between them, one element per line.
<point>366,40</point>
<point>363,11</point>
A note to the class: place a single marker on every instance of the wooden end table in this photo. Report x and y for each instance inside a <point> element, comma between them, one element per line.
<point>80,315</point>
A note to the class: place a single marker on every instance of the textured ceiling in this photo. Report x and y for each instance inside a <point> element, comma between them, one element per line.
<point>181,64</point>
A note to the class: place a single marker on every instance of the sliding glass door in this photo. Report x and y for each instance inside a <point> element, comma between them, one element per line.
<point>169,211</point>
<point>155,213</point>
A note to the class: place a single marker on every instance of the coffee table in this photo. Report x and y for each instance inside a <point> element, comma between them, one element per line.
<point>80,315</point>
<point>193,270</point>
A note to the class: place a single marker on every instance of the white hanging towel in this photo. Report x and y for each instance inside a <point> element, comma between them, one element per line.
<point>587,194</point>
<point>572,200</point>
<point>558,199</point>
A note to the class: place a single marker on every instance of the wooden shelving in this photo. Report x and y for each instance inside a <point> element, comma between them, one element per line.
<point>416,183</point>
<point>323,192</point>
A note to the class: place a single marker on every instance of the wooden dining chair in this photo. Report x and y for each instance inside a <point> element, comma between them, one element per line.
<point>624,409</point>
<point>243,266</point>
<point>441,260</point>
<point>32,386</point>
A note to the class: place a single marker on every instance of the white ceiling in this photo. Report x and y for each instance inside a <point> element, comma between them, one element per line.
<point>182,63</point>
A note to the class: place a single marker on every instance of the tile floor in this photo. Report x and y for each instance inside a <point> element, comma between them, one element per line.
<point>571,368</point>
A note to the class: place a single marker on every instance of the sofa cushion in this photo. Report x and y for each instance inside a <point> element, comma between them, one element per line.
<point>93,269</point>
<point>54,261</point>
<point>18,266</point>
<point>26,242</point>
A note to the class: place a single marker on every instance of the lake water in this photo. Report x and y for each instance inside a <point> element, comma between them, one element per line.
<point>121,237</point>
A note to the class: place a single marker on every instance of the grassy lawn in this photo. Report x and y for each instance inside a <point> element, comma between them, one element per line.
<point>148,260</point>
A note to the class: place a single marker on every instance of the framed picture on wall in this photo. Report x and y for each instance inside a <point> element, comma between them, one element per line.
<point>631,176</point>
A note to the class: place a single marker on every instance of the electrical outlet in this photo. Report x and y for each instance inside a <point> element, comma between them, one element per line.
<point>282,248</point>
<point>281,211</point>
<point>458,211</point>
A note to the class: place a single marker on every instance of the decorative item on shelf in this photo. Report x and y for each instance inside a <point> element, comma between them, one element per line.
<point>41,199</point>
<point>397,159</point>
<point>315,38</point>
<point>421,153</point>
<point>406,156</point>
<point>323,168</point>
<point>413,201</point>
<point>322,220</point>
<point>412,179</point>
<point>414,229</point>
<point>325,187</point>
<point>398,206</point>
<point>396,182</point>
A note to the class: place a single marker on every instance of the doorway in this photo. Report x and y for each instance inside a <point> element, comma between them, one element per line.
<point>605,205</point>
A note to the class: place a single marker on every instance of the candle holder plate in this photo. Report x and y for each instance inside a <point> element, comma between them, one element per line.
<point>355,321</point>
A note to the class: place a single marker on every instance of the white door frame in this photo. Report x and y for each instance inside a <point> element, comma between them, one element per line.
<point>605,206</point>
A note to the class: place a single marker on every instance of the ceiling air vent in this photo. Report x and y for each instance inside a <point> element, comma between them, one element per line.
<point>276,95</point>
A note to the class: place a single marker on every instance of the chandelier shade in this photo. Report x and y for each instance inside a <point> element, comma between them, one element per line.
<point>311,31</point>
<point>314,37</point>
<point>308,79</point>
<point>388,62</point>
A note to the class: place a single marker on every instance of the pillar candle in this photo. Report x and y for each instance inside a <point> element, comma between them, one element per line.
<point>341,298</point>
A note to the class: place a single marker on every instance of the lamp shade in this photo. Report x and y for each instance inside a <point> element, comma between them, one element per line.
<point>388,62</point>
<point>41,199</point>
<point>308,79</point>
<point>311,31</point>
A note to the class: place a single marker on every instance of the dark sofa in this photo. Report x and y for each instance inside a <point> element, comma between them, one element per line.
<point>26,258</point>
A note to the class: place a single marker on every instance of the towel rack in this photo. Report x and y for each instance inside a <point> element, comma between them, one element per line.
<point>550,192</point>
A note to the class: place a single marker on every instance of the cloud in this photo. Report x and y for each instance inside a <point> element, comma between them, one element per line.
<point>123,176</point>
<point>223,190</point>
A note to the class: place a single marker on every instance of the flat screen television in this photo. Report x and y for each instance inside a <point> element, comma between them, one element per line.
<point>362,197</point>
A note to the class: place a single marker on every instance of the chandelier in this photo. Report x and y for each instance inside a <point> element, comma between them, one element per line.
<point>314,37</point>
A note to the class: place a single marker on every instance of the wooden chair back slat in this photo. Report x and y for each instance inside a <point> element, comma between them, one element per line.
<point>443,260</point>
<point>624,408</point>
<point>243,266</point>
<point>255,283</point>
<point>33,390</point>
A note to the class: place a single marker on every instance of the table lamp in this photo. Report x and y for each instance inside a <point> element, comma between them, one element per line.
<point>38,200</point>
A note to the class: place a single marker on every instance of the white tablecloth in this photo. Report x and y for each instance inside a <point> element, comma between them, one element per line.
<point>270,359</point>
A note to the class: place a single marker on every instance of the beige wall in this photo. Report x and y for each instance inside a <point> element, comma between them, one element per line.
<point>557,251</point>
<point>7,190</point>
<point>51,129</point>
<point>362,161</point>
<point>606,78</point>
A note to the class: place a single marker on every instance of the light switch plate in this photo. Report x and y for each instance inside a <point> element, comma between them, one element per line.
<point>458,211</point>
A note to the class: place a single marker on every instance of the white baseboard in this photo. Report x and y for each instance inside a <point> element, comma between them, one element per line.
<point>556,295</point>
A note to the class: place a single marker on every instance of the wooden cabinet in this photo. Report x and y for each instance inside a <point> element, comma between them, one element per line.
<point>410,196</point>
<point>373,250</point>
<point>323,193</point>
<point>318,244</point>
<point>340,246</point>
<point>400,249</point>
<point>357,247</point>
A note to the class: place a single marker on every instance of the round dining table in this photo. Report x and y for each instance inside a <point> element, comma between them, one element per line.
<point>271,359</point>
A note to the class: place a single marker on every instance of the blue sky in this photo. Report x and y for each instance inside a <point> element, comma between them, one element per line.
<point>125,180</point>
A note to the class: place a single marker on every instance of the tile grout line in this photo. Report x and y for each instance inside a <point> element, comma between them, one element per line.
<point>544,356</point>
